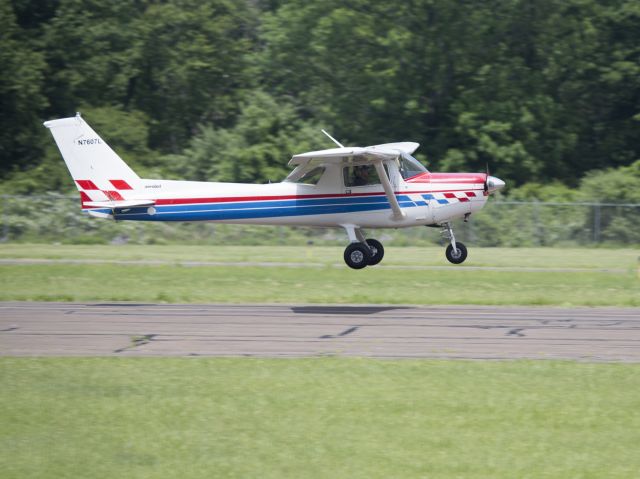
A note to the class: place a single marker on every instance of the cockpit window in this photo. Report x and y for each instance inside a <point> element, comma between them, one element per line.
<point>307,176</point>
<point>409,166</point>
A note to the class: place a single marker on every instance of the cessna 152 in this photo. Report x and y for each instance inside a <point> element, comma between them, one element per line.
<point>380,186</point>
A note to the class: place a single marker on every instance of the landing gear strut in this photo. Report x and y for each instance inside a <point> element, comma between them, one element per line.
<point>377,251</point>
<point>362,252</point>
<point>456,252</point>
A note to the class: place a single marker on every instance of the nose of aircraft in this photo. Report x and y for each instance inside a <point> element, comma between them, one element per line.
<point>494,184</point>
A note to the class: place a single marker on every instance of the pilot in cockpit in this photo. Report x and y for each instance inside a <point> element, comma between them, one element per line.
<point>360,176</point>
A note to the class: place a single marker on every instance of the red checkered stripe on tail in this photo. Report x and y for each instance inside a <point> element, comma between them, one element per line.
<point>113,193</point>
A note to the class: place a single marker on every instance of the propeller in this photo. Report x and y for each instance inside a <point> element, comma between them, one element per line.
<point>491,183</point>
<point>486,179</point>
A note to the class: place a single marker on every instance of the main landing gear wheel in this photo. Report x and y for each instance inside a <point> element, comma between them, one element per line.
<point>357,255</point>
<point>456,257</point>
<point>377,251</point>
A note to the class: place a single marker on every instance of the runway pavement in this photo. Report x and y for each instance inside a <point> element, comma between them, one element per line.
<point>469,332</point>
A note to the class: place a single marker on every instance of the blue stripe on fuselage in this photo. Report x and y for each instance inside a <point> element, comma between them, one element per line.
<point>346,200</point>
<point>261,209</point>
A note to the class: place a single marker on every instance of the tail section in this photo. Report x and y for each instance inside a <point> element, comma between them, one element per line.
<point>99,173</point>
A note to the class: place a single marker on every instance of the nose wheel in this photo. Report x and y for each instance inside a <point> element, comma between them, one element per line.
<point>456,252</point>
<point>458,255</point>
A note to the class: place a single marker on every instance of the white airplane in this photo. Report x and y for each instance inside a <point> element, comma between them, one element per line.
<point>380,186</point>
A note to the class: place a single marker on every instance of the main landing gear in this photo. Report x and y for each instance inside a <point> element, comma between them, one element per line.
<point>368,252</point>
<point>456,252</point>
<point>362,252</point>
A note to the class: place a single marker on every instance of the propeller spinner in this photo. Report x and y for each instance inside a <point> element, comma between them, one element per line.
<point>491,183</point>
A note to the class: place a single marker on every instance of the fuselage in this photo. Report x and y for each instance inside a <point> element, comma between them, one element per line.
<point>378,186</point>
<point>425,199</point>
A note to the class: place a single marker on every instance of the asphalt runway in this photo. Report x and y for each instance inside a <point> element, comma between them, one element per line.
<point>460,332</point>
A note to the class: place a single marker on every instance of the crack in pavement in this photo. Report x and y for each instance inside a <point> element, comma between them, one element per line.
<point>137,341</point>
<point>339,335</point>
<point>516,332</point>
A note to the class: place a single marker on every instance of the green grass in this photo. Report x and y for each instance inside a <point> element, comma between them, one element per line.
<point>327,255</point>
<point>326,283</point>
<point>313,418</point>
<point>225,284</point>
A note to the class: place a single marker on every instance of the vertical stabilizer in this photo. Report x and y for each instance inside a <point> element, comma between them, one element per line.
<point>98,172</point>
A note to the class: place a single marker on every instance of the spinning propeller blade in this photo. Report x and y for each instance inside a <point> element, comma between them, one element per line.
<point>486,179</point>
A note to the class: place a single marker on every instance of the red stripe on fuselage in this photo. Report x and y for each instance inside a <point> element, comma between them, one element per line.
<point>447,178</point>
<point>233,199</point>
<point>457,178</point>
<point>421,178</point>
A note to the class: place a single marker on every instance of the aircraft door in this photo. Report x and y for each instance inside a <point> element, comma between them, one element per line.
<point>361,178</point>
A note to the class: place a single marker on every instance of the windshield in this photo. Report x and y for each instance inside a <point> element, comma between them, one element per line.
<point>307,174</point>
<point>409,166</point>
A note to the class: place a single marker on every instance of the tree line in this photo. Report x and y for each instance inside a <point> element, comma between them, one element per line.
<point>543,91</point>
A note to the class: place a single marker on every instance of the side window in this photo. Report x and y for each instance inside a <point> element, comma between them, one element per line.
<point>361,175</point>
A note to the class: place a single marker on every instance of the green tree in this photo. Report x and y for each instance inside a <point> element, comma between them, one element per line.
<point>181,62</point>
<point>93,52</point>
<point>193,67</point>
<point>21,97</point>
<point>540,90</point>
<point>620,224</point>
<point>256,149</point>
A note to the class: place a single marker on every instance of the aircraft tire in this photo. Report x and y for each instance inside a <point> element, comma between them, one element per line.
<point>377,251</point>
<point>357,255</point>
<point>456,258</point>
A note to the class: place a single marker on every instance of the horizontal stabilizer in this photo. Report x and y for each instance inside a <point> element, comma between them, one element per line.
<point>100,214</point>
<point>119,204</point>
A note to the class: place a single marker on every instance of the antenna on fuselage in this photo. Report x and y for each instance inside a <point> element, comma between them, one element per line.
<point>333,139</point>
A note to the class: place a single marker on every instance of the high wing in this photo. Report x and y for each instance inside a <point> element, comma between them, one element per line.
<point>375,152</point>
<point>375,155</point>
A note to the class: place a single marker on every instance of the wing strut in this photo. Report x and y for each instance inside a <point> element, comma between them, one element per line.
<point>398,214</point>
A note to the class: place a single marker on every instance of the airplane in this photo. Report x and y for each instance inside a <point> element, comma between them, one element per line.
<point>379,186</point>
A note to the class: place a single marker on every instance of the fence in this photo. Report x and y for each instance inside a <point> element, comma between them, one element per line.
<point>57,218</point>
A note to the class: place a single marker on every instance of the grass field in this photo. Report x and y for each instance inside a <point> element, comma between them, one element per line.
<point>567,277</point>
<point>625,259</point>
<point>320,417</point>
<point>313,418</point>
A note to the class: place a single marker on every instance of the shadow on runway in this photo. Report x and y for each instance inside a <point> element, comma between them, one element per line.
<point>120,305</point>
<point>344,309</point>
